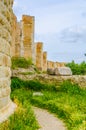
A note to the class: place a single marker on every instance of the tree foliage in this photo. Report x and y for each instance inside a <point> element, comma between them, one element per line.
<point>77,69</point>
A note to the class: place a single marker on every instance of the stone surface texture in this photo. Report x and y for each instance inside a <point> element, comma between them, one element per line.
<point>27,25</point>
<point>45,61</point>
<point>63,71</point>
<point>50,65</point>
<point>53,65</point>
<point>18,39</point>
<point>39,55</point>
<point>6,105</point>
<point>14,23</point>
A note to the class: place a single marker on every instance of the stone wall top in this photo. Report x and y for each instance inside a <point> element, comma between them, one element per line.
<point>27,19</point>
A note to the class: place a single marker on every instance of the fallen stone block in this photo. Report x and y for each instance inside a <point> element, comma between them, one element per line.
<point>63,71</point>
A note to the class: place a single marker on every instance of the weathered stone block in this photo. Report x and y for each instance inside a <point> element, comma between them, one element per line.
<point>5,82</point>
<point>39,55</point>
<point>5,72</point>
<point>4,101</point>
<point>44,61</point>
<point>60,64</point>
<point>5,60</point>
<point>63,71</point>
<point>27,26</point>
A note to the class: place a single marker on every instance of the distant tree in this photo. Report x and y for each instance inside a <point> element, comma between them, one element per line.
<point>78,69</point>
<point>85,54</point>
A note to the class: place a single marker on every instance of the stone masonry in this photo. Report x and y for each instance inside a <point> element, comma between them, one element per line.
<point>23,44</point>
<point>13,35</point>
<point>6,105</point>
<point>53,65</point>
<point>39,55</point>
<point>27,25</point>
<point>50,64</point>
<point>18,40</point>
<point>45,61</point>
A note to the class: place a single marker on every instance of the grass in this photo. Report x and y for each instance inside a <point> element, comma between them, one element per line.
<point>27,73</point>
<point>34,85</point>
<point>68,102</point>
<point>21,62</point>
<point>23,118</point>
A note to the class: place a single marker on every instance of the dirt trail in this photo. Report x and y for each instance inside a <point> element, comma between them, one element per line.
<point>48,121</point>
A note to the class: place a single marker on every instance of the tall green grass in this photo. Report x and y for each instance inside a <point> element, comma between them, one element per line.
<point>21,62</point>
<point>68,102</point>
<point>22,119</point>
<point>34,85</point>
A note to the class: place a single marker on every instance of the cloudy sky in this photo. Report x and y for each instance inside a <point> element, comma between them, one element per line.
<point>59,24</point>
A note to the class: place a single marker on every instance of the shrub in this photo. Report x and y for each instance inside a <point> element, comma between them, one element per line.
<point>34,85</point>
<point>77,69</point>
<point>17,83</point>
<point>20,62</point>
<point>69,87</point>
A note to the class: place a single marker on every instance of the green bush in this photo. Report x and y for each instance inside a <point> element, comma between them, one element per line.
<point>34,85</point>
<point>71,88</point>
<point>20,62</point>
<point>77,69</point>
<point>17,83</point>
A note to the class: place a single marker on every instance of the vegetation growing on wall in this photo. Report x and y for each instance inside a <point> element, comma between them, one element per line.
<point>21,62</point>
<point>77,69</point>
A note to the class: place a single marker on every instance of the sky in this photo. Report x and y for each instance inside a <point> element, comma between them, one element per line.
<point>59,24</point>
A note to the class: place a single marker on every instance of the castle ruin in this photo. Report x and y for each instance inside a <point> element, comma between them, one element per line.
<point>17,40</point>
<point>25,46</point>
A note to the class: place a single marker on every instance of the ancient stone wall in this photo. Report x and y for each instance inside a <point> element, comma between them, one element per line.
<point>23,44</point>
<point>28,35</point>
<point>39,55</point>
<point>18,40</point>
<point>45,61</point>
<point>60,64</point>
<point>6,106</point>
<point>53,65</point>
<point>50,64</point>
<point>34,53</point>
<point>14,22</point>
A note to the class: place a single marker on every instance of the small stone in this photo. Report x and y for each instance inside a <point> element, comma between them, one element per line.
<point>37,94</point>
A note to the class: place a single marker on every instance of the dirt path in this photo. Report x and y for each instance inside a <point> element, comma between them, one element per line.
<point>48,121</point>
